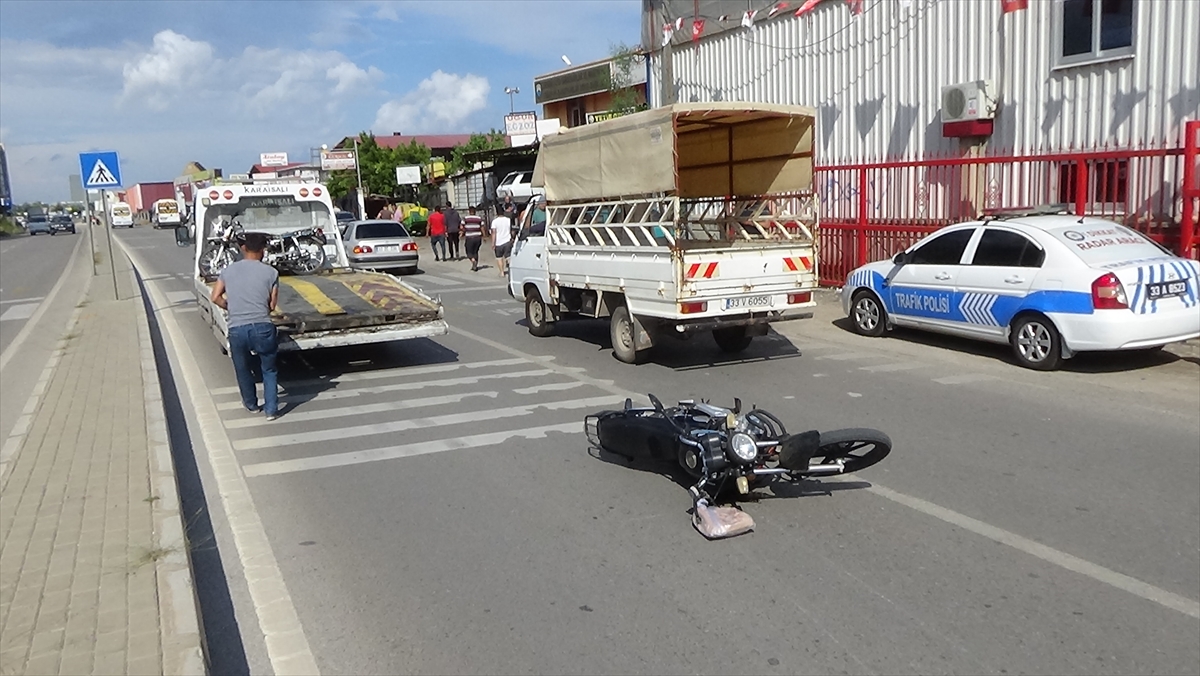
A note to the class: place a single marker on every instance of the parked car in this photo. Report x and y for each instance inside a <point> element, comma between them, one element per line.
<point>519,185</point>
<point>1049,285</point>
<point>380,245</point>
<point>62,223</point>
<point>344,218</point>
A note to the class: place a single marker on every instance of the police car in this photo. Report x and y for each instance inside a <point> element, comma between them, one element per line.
<point>1048,285</point>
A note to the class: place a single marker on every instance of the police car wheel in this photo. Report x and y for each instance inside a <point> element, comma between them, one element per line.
<point>868,315</point>
<point>1036,343</point>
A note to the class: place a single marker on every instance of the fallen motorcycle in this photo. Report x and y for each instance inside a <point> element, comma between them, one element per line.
<point>221,248</point>
<point>724,448</point>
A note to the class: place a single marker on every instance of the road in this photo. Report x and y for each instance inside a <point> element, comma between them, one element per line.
<point>29,269</point>
<point>432,506</point>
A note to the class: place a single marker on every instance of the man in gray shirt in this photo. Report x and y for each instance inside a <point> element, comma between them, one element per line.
<point>249,290</point>
<point>453,226</point>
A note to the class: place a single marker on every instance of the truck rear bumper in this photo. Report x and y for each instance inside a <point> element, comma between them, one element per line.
<point>684,326</point>
<point>360,336</point>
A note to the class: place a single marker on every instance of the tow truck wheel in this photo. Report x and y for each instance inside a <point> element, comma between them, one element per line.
<point>621,332</point>
<point>537,315</point>
<point>732,338</point>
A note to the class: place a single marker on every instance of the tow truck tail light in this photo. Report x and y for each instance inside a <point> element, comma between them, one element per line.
<point>411,246</point>
<point>797,298</point>
<point>228,194</point>
<point>362,249</point>
<point>316,192</point>
<point>304,192</point>
<point>692,308</point>
<point>1108,294</point>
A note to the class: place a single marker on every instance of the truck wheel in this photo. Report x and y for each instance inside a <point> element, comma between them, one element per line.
<point>621,331</point>
<point>732,338</point>
<point>537,315</point>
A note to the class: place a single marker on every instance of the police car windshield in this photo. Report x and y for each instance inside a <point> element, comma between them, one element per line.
<point>1098,245</point>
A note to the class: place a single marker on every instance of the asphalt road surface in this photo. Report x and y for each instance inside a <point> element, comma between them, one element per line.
<point>432,507</point>
<point>29,269</point>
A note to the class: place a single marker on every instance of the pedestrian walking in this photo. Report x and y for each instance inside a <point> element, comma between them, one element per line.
<point>502,241</point>
<point>437,232</point>
<point>472,237</point>
<point>453,225</point>
<point>249,290</point>
<point>509,209</point>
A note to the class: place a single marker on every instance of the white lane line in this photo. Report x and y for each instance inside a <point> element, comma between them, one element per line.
<point>406,451</point>
<point>965,378</point>
<point>1048,554</point>
<point>463,418</point>
<point>435,280</point>
<point>287,646</point>
<point>27,329</point>
<point>469,276</point>
<point>393,387</point>
<point>494,287</point>
<point>887,368</point>
<point>548,387</point>
<point>845,356</point>
<point>23,311</point>
<point>32,299</point>
<point>377,374</point>
<point>180,297</point>
<point>344,411</point>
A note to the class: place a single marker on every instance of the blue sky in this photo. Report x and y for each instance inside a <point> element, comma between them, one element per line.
<point>165,83</point>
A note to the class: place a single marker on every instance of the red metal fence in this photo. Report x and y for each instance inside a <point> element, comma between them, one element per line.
<point>870,211</point>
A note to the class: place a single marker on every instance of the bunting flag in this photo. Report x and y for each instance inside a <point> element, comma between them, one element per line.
<point>808,6</point>
<point>855,6</point>
<point>668,33</point>
<point>723,17</point>
<point>777,9</point>
<point>679,24</point>
<point>1007,6</point>
<point>697,29</point>
<point>748,18</point>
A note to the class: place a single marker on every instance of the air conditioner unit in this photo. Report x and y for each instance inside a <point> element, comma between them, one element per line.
<point>968,101</point>
<point>968,109</point>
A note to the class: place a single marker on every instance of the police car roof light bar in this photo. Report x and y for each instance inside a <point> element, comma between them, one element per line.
<point>1021,212</point>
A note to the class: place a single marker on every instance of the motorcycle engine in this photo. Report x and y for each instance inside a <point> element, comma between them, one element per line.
<point>711,453</point>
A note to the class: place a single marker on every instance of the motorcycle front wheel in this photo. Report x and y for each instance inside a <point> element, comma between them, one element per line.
<point>311,258</point>
<point>858,447</point>
<point>213,261</point>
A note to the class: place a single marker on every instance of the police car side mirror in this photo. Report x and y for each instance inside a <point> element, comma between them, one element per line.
<point>182,236</point>
<point>900,258</point>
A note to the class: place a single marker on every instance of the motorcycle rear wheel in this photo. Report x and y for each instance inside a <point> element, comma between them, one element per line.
<point>311,258</point>
<point>858,447</point>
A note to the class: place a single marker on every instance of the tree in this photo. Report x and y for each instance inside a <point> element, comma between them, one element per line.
<point>625,98</point>
<point>378,166</point>
<point>478,142</point>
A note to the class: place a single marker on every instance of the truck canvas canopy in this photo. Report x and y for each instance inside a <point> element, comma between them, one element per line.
<point>687,150</point>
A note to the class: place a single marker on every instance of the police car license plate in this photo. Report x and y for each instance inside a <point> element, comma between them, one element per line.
<point>1159,290</point>
<point>748,302</point>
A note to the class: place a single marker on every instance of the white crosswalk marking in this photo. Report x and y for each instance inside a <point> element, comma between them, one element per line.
<point>377,374</point>
<point>435,280</point>
<point>21,300</point>
<point>180,297</point>
<point>408,450</point>
<point>345,411</point>
<point>463,418</point>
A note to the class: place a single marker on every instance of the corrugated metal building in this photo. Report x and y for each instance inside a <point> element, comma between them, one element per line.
<point>1070,82</point>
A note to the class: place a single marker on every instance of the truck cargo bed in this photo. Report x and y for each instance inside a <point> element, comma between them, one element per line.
<point>345,299</point>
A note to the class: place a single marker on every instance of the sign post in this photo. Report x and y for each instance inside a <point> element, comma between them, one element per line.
<point>103,171</point>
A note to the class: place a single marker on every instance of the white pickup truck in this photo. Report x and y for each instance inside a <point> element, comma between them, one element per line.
<point>337,306</point>
<point>674,221</point>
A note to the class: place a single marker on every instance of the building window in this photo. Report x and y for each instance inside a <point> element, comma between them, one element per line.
<point>576,115</point>
<point>1107,182</point>
<point>1091,30</point>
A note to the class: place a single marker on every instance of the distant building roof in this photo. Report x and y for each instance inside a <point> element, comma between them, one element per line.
<point>435,142</point>
<point>259,169</point>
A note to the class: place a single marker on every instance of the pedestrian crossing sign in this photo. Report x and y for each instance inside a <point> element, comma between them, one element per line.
<point>101,170</point>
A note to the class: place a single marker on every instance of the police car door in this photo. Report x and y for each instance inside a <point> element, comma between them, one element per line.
<point>999,276</point>
<point>922,291</point>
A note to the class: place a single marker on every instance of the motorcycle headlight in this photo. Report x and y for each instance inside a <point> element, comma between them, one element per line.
<point>743,446</point>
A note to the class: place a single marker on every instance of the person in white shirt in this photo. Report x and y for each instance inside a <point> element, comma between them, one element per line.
<point>502,242</point>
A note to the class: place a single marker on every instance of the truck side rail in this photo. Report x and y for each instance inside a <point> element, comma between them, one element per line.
<point>676,223</point>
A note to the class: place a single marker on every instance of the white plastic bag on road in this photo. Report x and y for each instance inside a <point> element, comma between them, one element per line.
<point>720,522</point>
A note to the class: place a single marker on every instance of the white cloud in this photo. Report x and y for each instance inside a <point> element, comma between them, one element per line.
<point>441,103</point>
<point>174,66</point>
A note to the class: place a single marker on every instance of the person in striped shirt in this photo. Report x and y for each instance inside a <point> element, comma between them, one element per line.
<point>472,227</point>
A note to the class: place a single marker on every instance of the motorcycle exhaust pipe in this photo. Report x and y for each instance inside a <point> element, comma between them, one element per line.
<point>826,470</point>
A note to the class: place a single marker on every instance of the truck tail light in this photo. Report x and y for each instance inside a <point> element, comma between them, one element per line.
<point>797,298</point>
<point>411,246</point>
<point>1108,294</point>
<point>362,249</point>
<point>316,192</point>
<point>692,308</point>
<point>304,192</point>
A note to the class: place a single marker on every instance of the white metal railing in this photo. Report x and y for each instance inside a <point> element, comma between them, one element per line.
<point>673,222</point>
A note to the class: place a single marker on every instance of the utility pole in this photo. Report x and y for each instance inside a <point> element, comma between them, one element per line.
<point>112,263</point>
<point>362,203</point>
<point>510,91</point>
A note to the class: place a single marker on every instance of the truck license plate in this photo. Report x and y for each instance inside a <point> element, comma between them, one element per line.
<point>748,302</point>
<point>1159,290</point>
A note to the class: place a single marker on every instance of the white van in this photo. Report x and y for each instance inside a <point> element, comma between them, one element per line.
<point>120,215</point>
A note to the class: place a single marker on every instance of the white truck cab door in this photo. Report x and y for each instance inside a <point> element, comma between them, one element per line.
<point>527,265</point>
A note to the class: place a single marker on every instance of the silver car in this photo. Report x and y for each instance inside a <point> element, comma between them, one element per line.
<point>380,245</point>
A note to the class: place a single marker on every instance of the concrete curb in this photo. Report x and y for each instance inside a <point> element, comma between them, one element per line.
<point>179,611</point>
